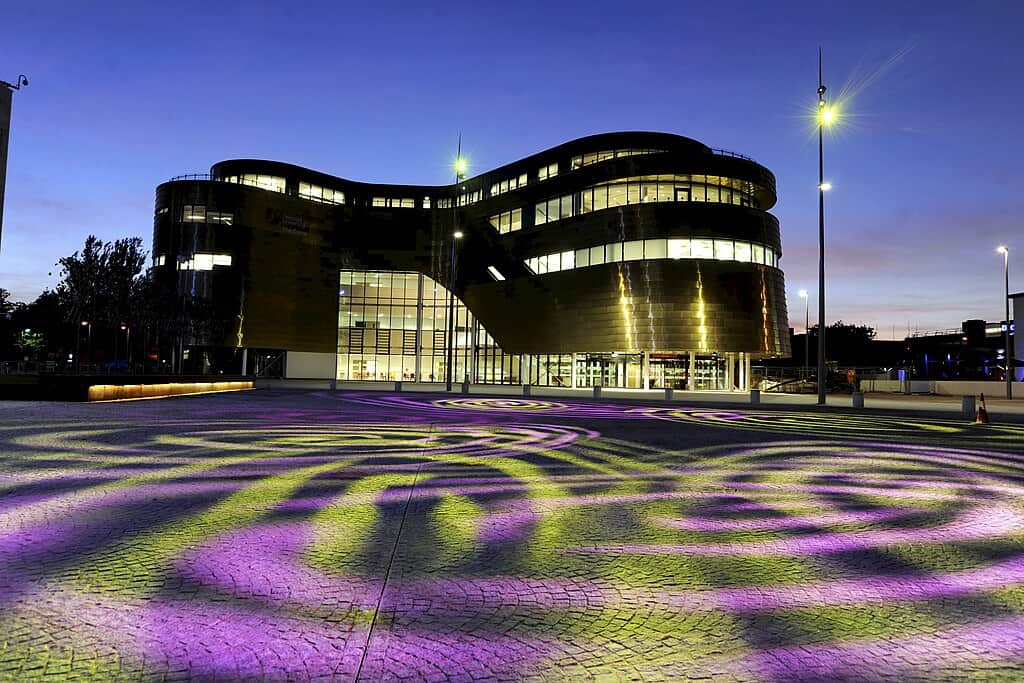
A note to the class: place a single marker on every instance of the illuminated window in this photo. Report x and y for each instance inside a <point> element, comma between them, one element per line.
<point>503,186</point>
<point>549,171</point>
<point>201,261</point>
<point>159,260</point>
<point>264,182</point>
<point>379,201</point>
<point>221,217</point>
<point>495,273</point>
<point>324,195</point>
<point>470,197</point>
<point>594,157</point>
<point>507,221</point>
<point>426,202</point>
<point>193,213</point>
<point>653,249</point>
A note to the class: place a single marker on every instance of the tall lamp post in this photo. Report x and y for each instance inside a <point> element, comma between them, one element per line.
<point>127,345</point>
<point>1008,372</point>
<point>807,331</point>
<point>460,174</point>
<point>825,116</point>
<point>6,92</point>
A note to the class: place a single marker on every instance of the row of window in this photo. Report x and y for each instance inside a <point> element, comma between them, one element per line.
<point>646,250</point>
<point>507,221</point>
<point>394,202</point>
<point>549,171</point>
<point>644,189</point>
<point>197,213</point>
<point>594,157</point>
<point>264,182</point>
<point>324,195</point>
<point>503,186</point>
<point>204,262</point>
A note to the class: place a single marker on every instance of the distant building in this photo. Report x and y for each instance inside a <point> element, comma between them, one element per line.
<point>622,259</point>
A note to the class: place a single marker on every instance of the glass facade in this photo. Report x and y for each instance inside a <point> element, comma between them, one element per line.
<point>594,157</point>
<point>647,250</point>
<point>393,326</point>
<point>646,189</point>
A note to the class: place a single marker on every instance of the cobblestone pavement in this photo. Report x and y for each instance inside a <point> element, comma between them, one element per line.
<point>280,535</point>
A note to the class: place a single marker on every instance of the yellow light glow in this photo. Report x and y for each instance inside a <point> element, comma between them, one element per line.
<point>825,186</point>
<point>1003,249</point>
<point>461,165</point>
<point>828,114</point>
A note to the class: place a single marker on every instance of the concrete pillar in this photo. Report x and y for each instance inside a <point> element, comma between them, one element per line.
<point>690,380</point>
<point>730,361</point>
<point>573,379</point>
<point>755,397</point>
<point>417,366</point>
<point>245,363</point>
<point>645,368</point>
<point>967,408</point>
<point>747,364</point>
<point>743,371</point>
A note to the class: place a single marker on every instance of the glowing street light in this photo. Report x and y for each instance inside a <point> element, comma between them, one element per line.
<point>1008,372</point>
<point>461,166</point>
<point>826,116</point>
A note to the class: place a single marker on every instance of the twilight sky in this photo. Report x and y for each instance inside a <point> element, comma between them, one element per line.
<point>926,169</point>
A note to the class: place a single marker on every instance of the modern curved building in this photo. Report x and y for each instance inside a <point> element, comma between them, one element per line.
<point>623,259</point>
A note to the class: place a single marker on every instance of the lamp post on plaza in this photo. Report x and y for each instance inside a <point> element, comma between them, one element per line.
<point>825,116</point>
<point>460,174</point>
<point>1008,372</point>
<point>127,344</point>
<point>807,331</point>
<point>78,342</point>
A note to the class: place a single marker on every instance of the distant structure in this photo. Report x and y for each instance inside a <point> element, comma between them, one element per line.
<point>627,259</point>
<point>6,98</point>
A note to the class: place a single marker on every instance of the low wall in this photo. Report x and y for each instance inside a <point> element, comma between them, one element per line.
<point>120,392</point>
<point>942,387</point>
<point>308,365</point>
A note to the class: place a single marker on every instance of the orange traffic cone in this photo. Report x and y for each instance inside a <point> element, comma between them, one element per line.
<point>982,418</point>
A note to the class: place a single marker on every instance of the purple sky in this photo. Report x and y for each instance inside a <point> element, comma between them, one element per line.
<point>926,171</point>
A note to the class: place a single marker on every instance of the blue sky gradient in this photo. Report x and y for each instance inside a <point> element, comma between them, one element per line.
<point>926,169</point>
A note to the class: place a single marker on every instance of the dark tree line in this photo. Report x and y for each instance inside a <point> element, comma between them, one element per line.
<point>105,309</point>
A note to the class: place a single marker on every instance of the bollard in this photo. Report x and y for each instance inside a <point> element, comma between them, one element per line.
<point>526,390</point>
<point>398,387</point>
<point>967,407</point>
<point>858,399</point>
<point>755,397</point>
<point>334,385</point>
<point>597,391</point>
<point>668,393</point>
<point>465,387</point>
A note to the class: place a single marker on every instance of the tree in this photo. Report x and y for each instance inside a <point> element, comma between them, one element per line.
<point>97,283</point>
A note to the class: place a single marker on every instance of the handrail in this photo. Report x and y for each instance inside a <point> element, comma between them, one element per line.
<point>727,153</point>
<point>192,176</point>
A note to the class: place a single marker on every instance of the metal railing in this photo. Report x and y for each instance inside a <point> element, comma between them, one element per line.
<point>727,153</point>
<point>192,176</point>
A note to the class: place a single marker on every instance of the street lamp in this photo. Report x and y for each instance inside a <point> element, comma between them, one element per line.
<point>78,342</point>
<point>6,98</point>
<point>826,116</point>
<point>127,344</point>
<point>1008,372</point>
<point>807,331</point>
<point>460,174</point>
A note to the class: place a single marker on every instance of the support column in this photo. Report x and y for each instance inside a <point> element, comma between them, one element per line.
<point>691,383</point>
<point>417,369</point>
<point>245,362</point>
<point>730,360</point>
<point>645,368</point>
<point>475,342</point>
<point>572,375</point>
<point>748,371</point>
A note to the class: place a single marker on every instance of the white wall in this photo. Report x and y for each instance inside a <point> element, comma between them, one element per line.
<point>305,365</point>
